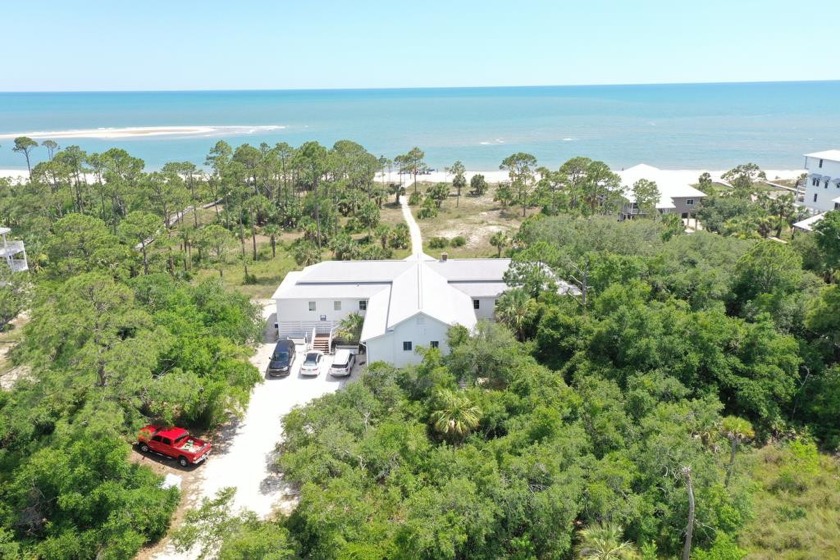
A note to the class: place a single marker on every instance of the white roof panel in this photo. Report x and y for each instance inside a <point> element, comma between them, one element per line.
<point>831,155</point>
<point>331,272</point>
<point>808,223</point>
<point>480,289</point>
<point>376,316</point>
<point>471,270</point>
<point>288,283</point>
<point>669,186</point>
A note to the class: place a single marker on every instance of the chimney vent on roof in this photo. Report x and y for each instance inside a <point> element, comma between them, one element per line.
<point>444,257</point>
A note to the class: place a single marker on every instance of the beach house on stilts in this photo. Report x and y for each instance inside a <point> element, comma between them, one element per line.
<point>675,196</point>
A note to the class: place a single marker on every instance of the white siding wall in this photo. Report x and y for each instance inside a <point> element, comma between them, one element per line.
<point>389,348</point>
<point>823,194</point>
<point>683,207</point>
<point>486,307</point>
<point>298,310</point>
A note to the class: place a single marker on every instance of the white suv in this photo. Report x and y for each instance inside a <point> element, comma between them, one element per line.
<point>343,363</point>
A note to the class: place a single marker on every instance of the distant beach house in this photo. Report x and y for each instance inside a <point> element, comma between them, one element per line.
<point>675,195</point>
<point>13,252</point>
<point>405,304</point>
<point>822,187</point>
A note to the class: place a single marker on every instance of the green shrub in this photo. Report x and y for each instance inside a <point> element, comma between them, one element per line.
<point>723,548</point>
<point>438,243</point>
<point>399,237</point>
<point>458,241</point>
<point>415,198</point>
<point>801,465</point>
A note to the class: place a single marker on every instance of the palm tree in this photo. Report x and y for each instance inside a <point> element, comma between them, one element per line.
<point>350,328</point>
<point>272,231</point>
<point>514,308</point>
<point>455,416</point>
<point>499,240</point>
<point>736,430</point>
<point>603,542</point>
<point>783,209</point>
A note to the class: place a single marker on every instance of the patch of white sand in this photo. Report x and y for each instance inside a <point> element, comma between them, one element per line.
<point>246,461</point>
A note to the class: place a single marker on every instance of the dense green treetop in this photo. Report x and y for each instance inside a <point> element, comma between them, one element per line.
<point>618,407</point>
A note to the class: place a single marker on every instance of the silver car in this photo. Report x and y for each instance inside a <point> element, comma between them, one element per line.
<point>312,363</point>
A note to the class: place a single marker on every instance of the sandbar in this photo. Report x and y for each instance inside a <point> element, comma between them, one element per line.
<point>144,132</point>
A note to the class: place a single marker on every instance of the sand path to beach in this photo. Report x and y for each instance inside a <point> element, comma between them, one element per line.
<point>413,228</point>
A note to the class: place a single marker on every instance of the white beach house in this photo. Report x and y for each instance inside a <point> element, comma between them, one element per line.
<point>405,304</point>
<point>676,195</point>
<point>13,252</point>
<point>822,187</point>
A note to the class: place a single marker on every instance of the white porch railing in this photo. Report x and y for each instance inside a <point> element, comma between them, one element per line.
<point>305,329</point>
<point>11,248</point>
<point>333,330</point>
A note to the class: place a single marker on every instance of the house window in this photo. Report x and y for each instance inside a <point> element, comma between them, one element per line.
<point>815,197</point>
<point>821,164</point>
<point>690,202</point>
<point>336,306</point>
<point>406,345</point>
<point>362,305</point>
<point>311,306</point>
<point>476,304</point>
<point>434,344</point>
<point>826,182</point>
<point>815,182</point>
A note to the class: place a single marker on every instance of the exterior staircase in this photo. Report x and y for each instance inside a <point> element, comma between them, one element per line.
<point>322,343</point>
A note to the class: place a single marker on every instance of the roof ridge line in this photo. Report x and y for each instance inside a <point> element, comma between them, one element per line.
<point>419,285</point>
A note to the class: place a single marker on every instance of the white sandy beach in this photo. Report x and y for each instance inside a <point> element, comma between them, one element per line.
<point>688,176</point>
<point>14,174</point>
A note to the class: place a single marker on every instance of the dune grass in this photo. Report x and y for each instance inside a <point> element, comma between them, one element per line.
<point>476,218</point>
<point>795,503</point>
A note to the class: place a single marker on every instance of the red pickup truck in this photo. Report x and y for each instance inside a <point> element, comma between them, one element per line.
<point>173,442</point>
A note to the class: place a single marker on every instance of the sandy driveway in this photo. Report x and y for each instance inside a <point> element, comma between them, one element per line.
<point>244,457</point>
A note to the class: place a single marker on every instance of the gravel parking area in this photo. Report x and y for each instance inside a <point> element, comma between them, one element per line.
<point>244,453</point>
<point>246,460</point>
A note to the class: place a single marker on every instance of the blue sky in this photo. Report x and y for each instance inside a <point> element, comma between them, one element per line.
<point>74,45</point>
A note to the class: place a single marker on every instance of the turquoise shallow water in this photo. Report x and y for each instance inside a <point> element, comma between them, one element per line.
<point>671,126</point>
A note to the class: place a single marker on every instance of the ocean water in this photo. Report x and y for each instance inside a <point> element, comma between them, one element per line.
<point>691,126</point>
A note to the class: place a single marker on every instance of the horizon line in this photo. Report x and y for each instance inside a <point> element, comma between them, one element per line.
<point>414,88</point>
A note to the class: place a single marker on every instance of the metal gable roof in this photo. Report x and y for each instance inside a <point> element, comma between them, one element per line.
<point>669,188</point>
<point>400,290</point>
